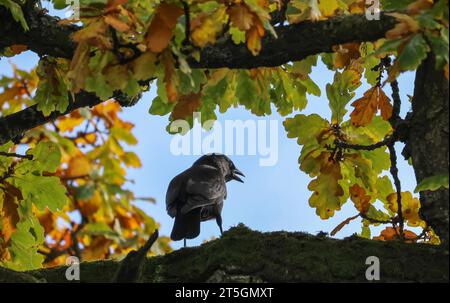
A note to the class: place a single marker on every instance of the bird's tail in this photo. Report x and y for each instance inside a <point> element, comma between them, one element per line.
<point>186,226</point>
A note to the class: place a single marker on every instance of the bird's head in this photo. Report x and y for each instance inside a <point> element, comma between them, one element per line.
<point>222,162</point>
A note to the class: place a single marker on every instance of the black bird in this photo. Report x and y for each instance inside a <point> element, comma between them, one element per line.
<point>197,194</point>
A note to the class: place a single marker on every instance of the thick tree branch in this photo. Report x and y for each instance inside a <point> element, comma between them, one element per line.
<point>295,42</point>
<point>428,142</point>
<point>243,255</point>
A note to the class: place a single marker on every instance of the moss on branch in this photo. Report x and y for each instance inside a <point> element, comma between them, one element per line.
<point>243,255</point>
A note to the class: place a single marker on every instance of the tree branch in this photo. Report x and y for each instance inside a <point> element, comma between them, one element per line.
<point>243,255</point>
<point>295,42</point>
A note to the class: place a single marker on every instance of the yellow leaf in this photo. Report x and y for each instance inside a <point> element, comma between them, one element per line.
<point>160,31</point>
<point>367,106</point>
<point>68,123</point>
<point>78,167</point>
<point>328,7</point>
<point>327,191</point>
<point>405,26</point>
<point>206,29</point>
<point>410,208</point>
<point>91,206</point>
<point>254,36</point>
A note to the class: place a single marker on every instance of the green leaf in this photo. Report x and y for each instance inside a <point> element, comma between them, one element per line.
<point>413,53</point>
<point>237,36</point>
<point>384,189</point>
<point>5,162</point>
<point>304,67</point>
<point>433,183</point>
<point>160,108</point>
<point>16,12</point>
<point>26,240</point>
<point>46,158</point>
<point>44,192</point>
<point>123,135</point>
<point>440,47</point>
<point>395,4</point>
<point>85,192</point>
<point>305,128</point>
<point>52,92</point>
<point>340,92</point>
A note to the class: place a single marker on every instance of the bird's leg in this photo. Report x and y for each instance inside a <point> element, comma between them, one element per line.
<point>219,222</point>
<point>184,241</point>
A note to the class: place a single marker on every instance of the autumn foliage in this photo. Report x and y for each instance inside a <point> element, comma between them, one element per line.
<point>75,166</point>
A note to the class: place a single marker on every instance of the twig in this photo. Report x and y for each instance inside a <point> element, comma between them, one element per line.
<point>5,154</point>
<point>398,188</point>
<point>364,216</point>
<point>386,141</point>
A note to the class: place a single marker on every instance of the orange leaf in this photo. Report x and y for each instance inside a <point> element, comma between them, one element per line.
<point>169,76</point>
<point>98,249</point>
<point>186,106</point>
<point>367,106</point>
<point>359,197</point>
<point>160,31</point>
<point>9,94</point>
<point>10,216</point>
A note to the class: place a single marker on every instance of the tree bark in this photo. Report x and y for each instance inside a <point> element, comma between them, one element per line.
<point>428,142</point>
<point>243,255</point>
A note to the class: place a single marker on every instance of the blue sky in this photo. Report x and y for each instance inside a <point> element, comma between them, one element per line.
<point>272,197</point>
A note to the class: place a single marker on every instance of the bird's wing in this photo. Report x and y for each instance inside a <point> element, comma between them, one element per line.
<point>205,186</point>
<point>174,191</point>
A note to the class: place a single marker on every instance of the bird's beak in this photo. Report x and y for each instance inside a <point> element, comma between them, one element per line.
<point>237,172</point>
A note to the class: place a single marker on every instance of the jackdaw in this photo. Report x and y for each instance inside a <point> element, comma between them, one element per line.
<point>197,194</point>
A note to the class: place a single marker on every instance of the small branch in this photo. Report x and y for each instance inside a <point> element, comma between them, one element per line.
<point>386,141</point>
<point>371,220</point>
<point>394,173</point>
<point>5,154</point>
<point>395,118</point>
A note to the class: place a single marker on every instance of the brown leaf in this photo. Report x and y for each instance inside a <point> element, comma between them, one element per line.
<point>186,105</point>
<point>117,24</point>
<point>241,17</point>
<point>342,224</point>
<point>160,31</point>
